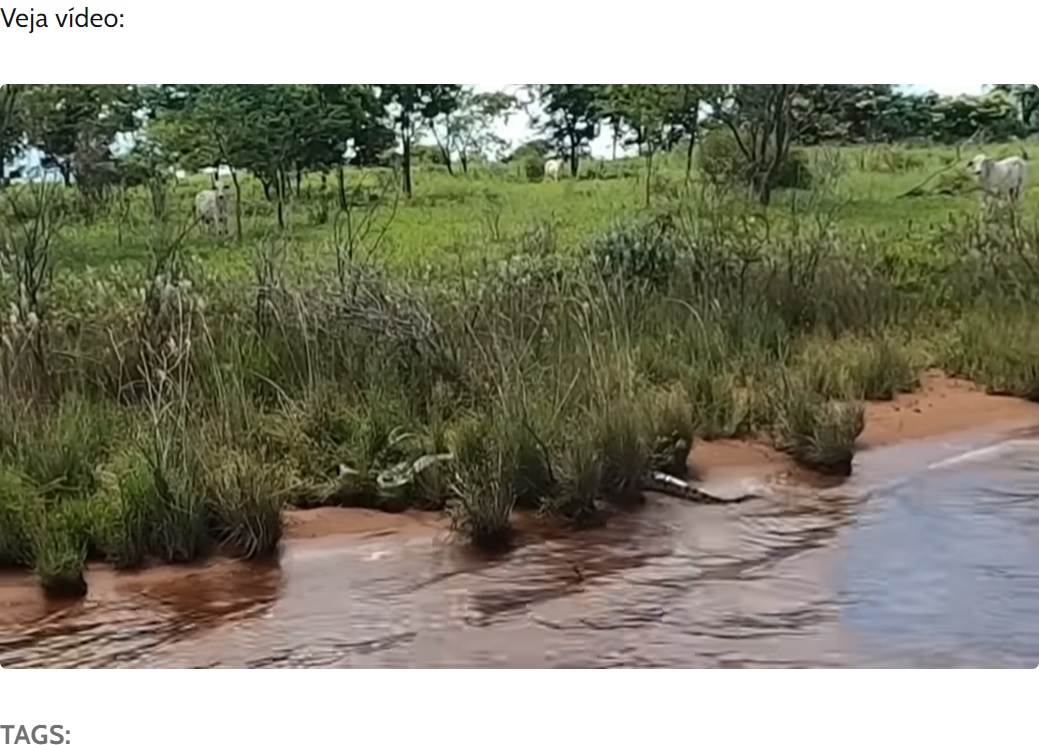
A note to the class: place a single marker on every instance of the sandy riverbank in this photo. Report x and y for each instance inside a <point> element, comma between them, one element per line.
<point>942,406</point>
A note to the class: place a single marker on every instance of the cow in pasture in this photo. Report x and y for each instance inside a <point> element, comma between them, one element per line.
<point>552,168</point>
<point>211,207</point>
<point>1001,178</point>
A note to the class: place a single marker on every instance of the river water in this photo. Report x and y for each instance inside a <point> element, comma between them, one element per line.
<point>927,557</point>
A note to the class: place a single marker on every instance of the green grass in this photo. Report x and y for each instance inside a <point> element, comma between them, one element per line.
<point>481,216</point>
<point>548,342</point>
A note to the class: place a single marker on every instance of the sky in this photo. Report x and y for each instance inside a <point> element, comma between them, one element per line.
<point>518,128</point>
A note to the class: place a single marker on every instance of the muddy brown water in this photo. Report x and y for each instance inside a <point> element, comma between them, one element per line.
<point>928,557</point>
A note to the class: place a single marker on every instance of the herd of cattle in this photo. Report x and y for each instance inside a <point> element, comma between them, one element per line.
<point>999,179</point>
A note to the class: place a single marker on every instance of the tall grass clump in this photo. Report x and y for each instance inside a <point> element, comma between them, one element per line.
<point>128,509</point>
<point>998,348</point>
<point>17,502</point>
<point>482,486</point>
<point>874,368</point>
<point>672,422</point>
<point>816,432</point>
<point>244,501</point>
<point>640,253</point>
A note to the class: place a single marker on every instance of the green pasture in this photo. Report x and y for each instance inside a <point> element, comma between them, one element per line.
<point>467,218</point>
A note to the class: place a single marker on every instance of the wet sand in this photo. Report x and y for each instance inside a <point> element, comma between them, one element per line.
<point>321,522</point>
<point>942,406</point>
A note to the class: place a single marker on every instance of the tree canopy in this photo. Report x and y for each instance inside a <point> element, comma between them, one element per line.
<point>280,132</point>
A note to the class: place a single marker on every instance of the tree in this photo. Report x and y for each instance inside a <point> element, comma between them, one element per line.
<point>761,122</point>
<point>204,127</point>
<point>956,119</point>
<point>373,138</point>
<point>269,130</point>
<point>273,131</point>
<point>63,119</point>
<point>1027,100</point>
<point>468,130</point>
<point>613,116</point>
<point>11,127</point>
<point>683,119</point>
<point>574,114</point>
<point>532,149</point>
<point>647,111</point>
<point>841,113</point>
<point>347,117</point>
<point>908,117</point>
<point>409,106</point>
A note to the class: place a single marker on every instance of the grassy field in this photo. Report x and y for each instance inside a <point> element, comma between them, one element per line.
<point>492,344</point>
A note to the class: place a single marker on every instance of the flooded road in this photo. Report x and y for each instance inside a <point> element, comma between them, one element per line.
<point>928,557</point>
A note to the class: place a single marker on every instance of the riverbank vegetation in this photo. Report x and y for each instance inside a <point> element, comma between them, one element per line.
<point>492,343</point>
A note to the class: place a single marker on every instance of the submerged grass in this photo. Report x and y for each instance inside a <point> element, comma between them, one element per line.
<point>175,412</point>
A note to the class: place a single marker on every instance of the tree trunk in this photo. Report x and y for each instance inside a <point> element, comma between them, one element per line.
<point>1029,108</point>
<point>405,132</point>
<point>463,158</point>
<point>266,189</point>
<point>689,157</point>
<point>237,205</point>
<point>280,193</point>
<point>780,136</point>
<point>446,155</point>
<point>763,189</point>
<point>573,158</point>
<point>283,182</point>
<point>649,172</point>
<point>341,178</point>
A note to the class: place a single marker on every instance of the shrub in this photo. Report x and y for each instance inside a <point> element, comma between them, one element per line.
<point>720,159</point>
<point>483,488</point>
<point>723,163</point>
<point>672,424</point>
<point>816,432</point>
<point>794,172</point>
<point>636,253</point>
<point>244,500</point>
<point>534,169</point>
<point>16,503</point>
<point>127,509</point>
<point>59,549</point>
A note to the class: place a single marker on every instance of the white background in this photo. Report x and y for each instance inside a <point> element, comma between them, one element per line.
<point>544,41</point>
<point>633,707</point>
<point>537,41</point>
<point>650,41</point>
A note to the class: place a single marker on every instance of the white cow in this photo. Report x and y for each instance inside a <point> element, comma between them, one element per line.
<point>552,168</point>
<point>1001,178</point>
<point>211,207</point>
